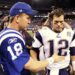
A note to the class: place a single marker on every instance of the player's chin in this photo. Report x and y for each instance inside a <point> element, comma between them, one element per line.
<point>59,30</point>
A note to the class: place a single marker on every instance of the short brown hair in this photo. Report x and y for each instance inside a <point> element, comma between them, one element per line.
<point>57,12</point>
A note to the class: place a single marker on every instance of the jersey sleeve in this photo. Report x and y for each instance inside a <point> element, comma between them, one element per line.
<point>72,46</point>
<point>14,50</point>
<point>38,41</point>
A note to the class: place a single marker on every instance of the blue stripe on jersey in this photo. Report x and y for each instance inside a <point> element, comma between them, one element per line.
<point>72,51</point>
<point>73,37</point>
<point>38,36</point>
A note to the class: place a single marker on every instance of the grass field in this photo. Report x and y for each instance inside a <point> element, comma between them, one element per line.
<point>31,33</point>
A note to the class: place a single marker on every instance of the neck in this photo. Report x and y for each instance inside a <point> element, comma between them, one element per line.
<point>13,26</point>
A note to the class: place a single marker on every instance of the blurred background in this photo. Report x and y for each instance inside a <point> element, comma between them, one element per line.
<point>43,6</point>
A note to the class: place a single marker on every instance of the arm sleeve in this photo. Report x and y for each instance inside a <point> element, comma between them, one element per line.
<point>72,46</point>
<point>38,41</point>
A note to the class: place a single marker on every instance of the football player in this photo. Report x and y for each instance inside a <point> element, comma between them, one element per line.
<point>56,39</point>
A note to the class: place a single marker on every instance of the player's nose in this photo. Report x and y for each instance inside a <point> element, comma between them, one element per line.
<point>29,21</point>
<point>59,23</point>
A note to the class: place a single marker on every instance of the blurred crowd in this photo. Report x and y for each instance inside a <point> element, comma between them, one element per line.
<point>36,21</point>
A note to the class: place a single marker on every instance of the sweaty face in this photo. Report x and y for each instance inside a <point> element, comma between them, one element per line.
<point>24,20</point>
<point>57,23</point>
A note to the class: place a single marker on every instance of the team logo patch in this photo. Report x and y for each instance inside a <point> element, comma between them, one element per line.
<point>20,10</point>
<point>12,40</point>
<point>68,34</point>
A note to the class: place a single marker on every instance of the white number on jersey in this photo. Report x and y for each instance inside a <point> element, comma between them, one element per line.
<point>18,50</point>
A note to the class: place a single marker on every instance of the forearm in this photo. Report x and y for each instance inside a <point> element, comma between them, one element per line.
<point>73,67</point>
<point>36,65</point>
<point>73,64</point>
<point>47,22</point>
<point>33,54</point>
<point>73,73</point>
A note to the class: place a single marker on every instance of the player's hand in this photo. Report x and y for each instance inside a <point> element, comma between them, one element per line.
<point>55,58</point>
<point>58,58</point>
<point>66,25</point>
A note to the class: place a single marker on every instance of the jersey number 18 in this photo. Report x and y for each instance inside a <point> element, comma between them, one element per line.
<point>17,50</point>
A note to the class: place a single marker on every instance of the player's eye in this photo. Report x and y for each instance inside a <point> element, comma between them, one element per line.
<point>61,21</point>
<point>29,18</point>
<point>58,22</point>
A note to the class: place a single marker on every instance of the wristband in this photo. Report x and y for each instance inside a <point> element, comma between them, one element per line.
<point>50,60</point>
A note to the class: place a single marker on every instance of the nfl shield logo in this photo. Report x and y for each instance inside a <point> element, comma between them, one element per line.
<point>58,35</point>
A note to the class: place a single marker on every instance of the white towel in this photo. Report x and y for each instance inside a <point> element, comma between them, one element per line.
<point>54,72</point>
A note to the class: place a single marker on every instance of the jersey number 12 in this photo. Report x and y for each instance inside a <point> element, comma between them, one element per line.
<point>62,47</point>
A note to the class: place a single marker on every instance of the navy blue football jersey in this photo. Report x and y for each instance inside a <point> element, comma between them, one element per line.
<point>13,51</point>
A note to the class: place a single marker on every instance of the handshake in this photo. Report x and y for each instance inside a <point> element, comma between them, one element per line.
<point>55,58</point>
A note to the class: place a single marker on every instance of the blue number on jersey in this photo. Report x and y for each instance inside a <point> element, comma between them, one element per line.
<point>61,50</point>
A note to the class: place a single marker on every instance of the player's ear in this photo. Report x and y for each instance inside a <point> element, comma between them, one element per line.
<point>17,18</point>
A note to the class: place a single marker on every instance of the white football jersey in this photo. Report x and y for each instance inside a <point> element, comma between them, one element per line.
<point>54,43</point>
